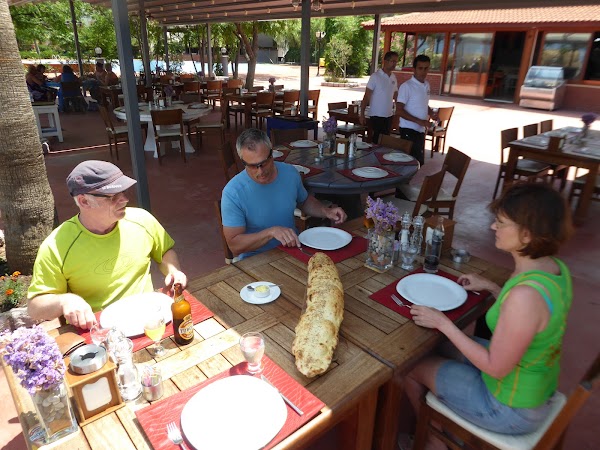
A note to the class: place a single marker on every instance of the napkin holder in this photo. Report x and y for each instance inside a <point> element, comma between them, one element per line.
<point>91,376</point>
<point>341,147</point>
<point>353,109</point>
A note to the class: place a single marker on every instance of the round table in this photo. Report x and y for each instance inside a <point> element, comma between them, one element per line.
<point>145,116</point>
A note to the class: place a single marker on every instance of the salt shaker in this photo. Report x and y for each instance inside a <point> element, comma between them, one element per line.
<point>406,223</point>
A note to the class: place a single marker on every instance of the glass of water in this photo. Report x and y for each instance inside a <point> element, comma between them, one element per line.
<point>408,253</point>
<point>99,334</point>
<point>252,346</point>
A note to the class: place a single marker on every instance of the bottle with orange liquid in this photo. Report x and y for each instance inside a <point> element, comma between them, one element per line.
<point>183,326</point>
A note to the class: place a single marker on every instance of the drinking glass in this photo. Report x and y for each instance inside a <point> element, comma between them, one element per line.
<point>99,335</point>
<point>154,328</point>
<point>408,253</point>
<point>252,346</point>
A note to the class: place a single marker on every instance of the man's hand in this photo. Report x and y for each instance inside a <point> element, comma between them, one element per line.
<point>176,276</point>
<point>337,215</point>
<point>77,311</point>
<point>286,236</point>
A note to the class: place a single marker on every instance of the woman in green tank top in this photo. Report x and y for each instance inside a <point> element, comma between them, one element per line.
<point>504,385</point>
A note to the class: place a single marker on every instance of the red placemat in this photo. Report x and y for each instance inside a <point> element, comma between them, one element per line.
<point>285,151</point>
<point>199,314</point>
<point>154,419</point>
<point>382,160</point>
<point>357,246</point>
<point>348,174</point>
<point>384,296</point>
<point>313,171</point>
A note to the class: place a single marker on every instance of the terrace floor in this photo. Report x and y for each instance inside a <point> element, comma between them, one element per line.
<point>182,197</point>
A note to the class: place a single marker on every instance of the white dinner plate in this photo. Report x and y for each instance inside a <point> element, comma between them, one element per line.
<point>303,143</point>
<point>239,412</point>
<point>277,153</point>
<point>127,314</point>
<point>325,238</point>
<point>249,297</point>
<point>370,172</point>
<point>301,169</point>
<point>397,157</point>
<point>362,145</point>
<point>198,106</point>
<point>432,290</point>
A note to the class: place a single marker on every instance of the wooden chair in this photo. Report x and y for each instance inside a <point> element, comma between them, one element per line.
<point>349,128</point>
<point>578,184</point>
<point>546,125</point>
<point>235,83</point>
<point>280,136</point>
<point>256,89</point>
<point>437,136</point>
<point>526,168</point>
<point>144,94</point>
<point>206,127</point>
<point>550,434</point>
<point>167,120</point>
<point>278,87</point>
<point>228,161</point>
<point>313,102</point>
<point>428,192</point>
<point>229,257</point>
<point>114,133</point>
<point>213,91</point>
<point>397,143</point>
<point>284,106</point>
<point>263,107</point>
<point>530,130</point>
<point>72,96</point>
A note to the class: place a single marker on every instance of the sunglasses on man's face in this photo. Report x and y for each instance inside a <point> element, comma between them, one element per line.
<point>260,164</point>
<point>107,196</point>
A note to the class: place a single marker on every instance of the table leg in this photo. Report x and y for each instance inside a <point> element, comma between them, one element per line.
<point>388,412</point>
<point>357,430</point>
<point>586,194</point>
<point>247,116</point>
<point>511,165</point>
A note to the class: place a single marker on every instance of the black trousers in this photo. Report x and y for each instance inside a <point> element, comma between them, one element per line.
<point>380,125</point>
<point>418,140</point>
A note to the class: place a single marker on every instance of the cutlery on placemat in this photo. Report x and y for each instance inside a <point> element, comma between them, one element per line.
<point>285,399</point>
<point>175,435</point>
<point>306,252</point>
<point>398,302</point>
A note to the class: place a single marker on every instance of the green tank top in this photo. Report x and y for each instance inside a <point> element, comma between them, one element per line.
<point>535,377</point>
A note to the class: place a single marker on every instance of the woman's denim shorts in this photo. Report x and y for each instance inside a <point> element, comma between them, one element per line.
<point>459,386</point>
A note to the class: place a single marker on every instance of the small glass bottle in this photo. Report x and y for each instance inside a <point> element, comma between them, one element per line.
<point>433,251</point>
<point>417,236</point>
<point>405,232</point>
<point>127,373</point>
<point>352,146</point>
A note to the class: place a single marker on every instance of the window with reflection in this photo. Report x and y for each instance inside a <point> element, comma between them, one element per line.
<point>431,45</point>
<point>566,50</point>
<point>593,66</point>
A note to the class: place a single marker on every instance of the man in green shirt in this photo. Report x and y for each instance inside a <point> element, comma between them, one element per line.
<point>102,254</point>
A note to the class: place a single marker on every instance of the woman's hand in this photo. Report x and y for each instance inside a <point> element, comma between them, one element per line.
<point>474,282</point>
<point>427,317</point>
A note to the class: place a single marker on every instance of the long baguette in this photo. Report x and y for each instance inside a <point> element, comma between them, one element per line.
<point>317,330</point>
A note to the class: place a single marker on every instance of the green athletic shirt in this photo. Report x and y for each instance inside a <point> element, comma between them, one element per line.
<point>535,377</point>
<point>100,268</point>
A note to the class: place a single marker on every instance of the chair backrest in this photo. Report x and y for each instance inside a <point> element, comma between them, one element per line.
<point>291,97</point>
<point>144,94</point>
<point>186,77</point>
<point>278,87</point>
<point>337,105</point>
<point>444,116</point>
<point>214,85</point>
<point>228,90</point>
<point>265,99</point>
<point>230,167</point>
<point>281,136</point>
<point>106,118</point>
<point>228,253</point>
<point>256,89</point>
<point>235,83</point>
<point>164,79</point>
<point>191,86</point>
<point>70,88</point>
<point>429,189</point>
<point>457,163</point>
<point>386,140</point>
<point>506,136</point>
<point>585,388</point>
<point>313,96</point>
<point>546,125</point>
<point>530,130</point>
<point>167,117</point>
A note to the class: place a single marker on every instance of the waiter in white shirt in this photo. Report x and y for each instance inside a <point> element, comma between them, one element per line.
<point>413,107</point>
<point>381,92</point>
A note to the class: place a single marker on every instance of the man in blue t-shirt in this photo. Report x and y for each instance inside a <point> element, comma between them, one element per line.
<point>258,204</point>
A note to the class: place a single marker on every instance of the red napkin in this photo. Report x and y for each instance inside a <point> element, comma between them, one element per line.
<point>285,151</point>
<point>348,174</point>
<point>154,418</point>
<point>357,246</point>
<point>384,296</point>
<point>313,171</point>
<point>199,314</point>
<point>382,160</point>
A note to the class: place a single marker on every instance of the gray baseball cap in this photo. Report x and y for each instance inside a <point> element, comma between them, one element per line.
<point>97,177</point>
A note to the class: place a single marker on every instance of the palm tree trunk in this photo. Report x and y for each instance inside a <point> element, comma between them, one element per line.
<point>26,200</point>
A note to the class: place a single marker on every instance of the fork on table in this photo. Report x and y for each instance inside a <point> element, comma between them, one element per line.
<point>399,302</point>
<point>175,435</point>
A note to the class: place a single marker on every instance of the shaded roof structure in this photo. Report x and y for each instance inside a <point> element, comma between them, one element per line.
<point>188,12</point>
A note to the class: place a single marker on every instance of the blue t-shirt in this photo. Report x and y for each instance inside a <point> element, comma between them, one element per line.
<point>255,206</point>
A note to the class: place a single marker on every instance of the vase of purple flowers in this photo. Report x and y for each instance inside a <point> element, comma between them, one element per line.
<point>36,360</point>
<point>329,127</point>
<point>272,84</point>
<point>587,119</point>
<point>380,251</point>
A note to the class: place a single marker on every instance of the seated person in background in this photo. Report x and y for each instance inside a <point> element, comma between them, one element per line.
<point>258,204</point>
<point>41,75</point>
<point>504,384</point>
<point>67,76</point>
<point>100,255</point>
<point>111,78</point>
<point>100,73</point>
<point>35,85</point>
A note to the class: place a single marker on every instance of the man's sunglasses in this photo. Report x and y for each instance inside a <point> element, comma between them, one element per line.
<point>260,164</point>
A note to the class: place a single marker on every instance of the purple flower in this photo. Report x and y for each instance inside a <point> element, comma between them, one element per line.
<point>384,215</point>
<point>272,80</point>
<point>588,118</point>
<point>330,125</point>
<point>34,357</point>
<point>168,90</point>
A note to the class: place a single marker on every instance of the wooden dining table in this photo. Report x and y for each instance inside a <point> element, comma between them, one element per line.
<point>345,115</point>
<point>584,154</point>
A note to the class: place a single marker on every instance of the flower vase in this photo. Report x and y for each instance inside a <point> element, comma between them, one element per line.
<point>330,143</point>
<point>272,87</point>
<point>584,130</point>
<point>54,412</point>
<point>380,253</point>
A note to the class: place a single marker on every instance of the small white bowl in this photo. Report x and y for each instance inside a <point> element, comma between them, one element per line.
<point>262,291</point>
